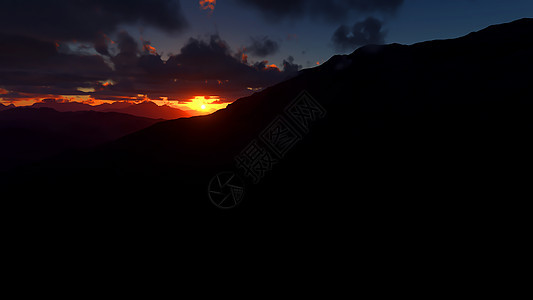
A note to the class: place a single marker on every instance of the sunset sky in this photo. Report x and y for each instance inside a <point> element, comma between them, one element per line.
<point>202,55</point>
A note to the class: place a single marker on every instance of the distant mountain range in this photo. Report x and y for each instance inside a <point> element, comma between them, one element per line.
<point>30,134</point>
<point>4,107</point>
<point>146,109</point>
<point>427,131</point>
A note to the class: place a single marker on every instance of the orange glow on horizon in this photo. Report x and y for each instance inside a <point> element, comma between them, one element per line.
<point>202,104</point>
<point>197,105</point>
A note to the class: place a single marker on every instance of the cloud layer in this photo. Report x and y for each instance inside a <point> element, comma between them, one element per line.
<point>262,46</point>
<point>361,33</point>
<point>86,20</point>
<point>64,47</point>
<point>203,67</point>
<point>332,11</point>
<point>367,31</point>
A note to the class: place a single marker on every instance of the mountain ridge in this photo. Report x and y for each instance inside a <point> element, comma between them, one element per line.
<point>146,109</point>
<point>29,134</point>
<point>440,120</point>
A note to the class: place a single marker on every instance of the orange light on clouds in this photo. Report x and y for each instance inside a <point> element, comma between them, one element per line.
<point>108,39</point>
<point>107,82</point>
<point>149,48</point>
<point>208,5</point>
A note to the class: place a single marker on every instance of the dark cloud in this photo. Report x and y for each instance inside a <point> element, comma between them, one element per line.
<point>203,67</point>
<point>289,66</point>
<point>85,20</point>
<point>262,46</point>
<point>333,11</point>
<point>29,65</point>
<point>101,44</point>
<point>18,50</point>
<point>361,33</point>
<point>35,66</point>
<point>209,59</point>
<point>128,55</point>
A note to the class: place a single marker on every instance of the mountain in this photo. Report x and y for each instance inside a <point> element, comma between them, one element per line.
<point>5,107</point>
<point>63,106</point>
<point>31,134</point>
<point>146,109</point>
<point>432,132</point>
<point>149,109</point>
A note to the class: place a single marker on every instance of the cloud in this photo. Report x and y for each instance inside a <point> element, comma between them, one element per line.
<point>101,44</point>
<point>203,67</point>
<point>148,48</point>
<point>66,20</point>
<point>64,48</point>
<point>289,66</point>
<point>335,12</point>
<point>331,11</point>
<point>361,33</point>
<point>35,66</point>
<point>208,5</point>
<point>263,46</point>
<point>127,58</point>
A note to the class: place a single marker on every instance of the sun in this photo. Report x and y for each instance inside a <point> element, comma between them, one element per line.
<point>201,105</point>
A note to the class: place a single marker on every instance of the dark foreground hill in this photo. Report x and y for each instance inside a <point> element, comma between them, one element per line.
<point>32,134</point>
<point>438,130</point>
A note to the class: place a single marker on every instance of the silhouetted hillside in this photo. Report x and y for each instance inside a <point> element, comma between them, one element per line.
<point>146,109</point>
<point>31,134</point>
<point>431,131</point>
<point>4,107</point>
<point>149,109</point>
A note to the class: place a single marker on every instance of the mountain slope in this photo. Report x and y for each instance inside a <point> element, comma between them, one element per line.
<point>146,109</point>
<point>430,129</point>
<point>5,107</point>
<point>31,134</point>
<point>149,109</point>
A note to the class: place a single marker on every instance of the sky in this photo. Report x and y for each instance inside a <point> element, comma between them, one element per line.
<point>204,54</point>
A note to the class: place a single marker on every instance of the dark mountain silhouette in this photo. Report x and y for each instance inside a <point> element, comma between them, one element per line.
<point>146,109</point>
<point>149,109</point>
<point>30,134</point>
<point>63,106</point>
<point>4,107</point>
<point>427,133</point>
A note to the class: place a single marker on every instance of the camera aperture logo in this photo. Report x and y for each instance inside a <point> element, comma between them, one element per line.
<point>262,153</point>
<point>226,190</point>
